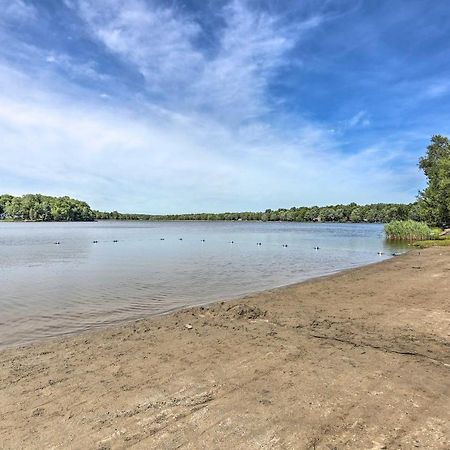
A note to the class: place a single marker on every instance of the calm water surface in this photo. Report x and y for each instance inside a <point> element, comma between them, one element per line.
<point>48,290</point>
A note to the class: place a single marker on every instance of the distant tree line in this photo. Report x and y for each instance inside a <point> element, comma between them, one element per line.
<point>44,208</point>
<point>378,212</point>
<point>39,207</point>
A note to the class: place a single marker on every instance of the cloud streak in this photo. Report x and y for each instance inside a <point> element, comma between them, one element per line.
<point>162,44</point>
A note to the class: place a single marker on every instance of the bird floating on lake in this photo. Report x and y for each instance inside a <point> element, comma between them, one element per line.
<point>161,239</point>
<point>57,243</point>
<point>180,239</point>
<point>316,248</point>
<point>258,243</point>
<point>95,242</point>
<point>203,240</point>
<point>380,253</point>
<point>115,240</point>
<point>284,245</point>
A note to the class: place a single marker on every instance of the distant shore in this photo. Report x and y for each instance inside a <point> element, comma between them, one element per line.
<point>360,359</point>
<point>45,221</point>
<point>44,207</point>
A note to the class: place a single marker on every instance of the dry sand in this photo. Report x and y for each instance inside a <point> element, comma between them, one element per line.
<point>357,360</point>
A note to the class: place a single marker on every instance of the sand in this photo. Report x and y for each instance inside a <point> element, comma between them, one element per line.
<point>357,360</point>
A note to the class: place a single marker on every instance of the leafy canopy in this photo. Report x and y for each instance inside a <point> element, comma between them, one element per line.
<point>434,200</point>
<point>44,208</point>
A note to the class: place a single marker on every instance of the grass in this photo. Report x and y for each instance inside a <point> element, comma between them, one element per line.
<point>441,242</point>
<point>409,230</point>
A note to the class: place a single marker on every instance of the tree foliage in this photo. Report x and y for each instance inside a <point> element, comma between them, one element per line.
<point>434,200</point>
<point>44,208</point>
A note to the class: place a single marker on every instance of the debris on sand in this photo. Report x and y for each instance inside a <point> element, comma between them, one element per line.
<point>242,311</point>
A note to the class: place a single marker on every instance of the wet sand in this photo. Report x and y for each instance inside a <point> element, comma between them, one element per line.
<point>357,360</point>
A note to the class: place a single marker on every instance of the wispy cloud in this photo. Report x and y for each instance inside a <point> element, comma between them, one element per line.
<point>438,88</point>
<point>360,119</point>
<point>16,11</point>
<point>253,47</point>
<point>86,69</point>
<point>162,43</point>
<point>156,40</point>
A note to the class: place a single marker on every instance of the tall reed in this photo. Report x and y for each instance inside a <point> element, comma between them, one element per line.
<point>407,230</point>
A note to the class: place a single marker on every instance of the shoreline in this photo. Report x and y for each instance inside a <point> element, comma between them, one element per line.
<point>124,323</point>
<point>355,359</point>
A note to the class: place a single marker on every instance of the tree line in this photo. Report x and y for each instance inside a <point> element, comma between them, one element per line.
<point>379,212</point>
<point>37,207</point>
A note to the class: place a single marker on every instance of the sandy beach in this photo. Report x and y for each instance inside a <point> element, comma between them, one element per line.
<point>357,360</point>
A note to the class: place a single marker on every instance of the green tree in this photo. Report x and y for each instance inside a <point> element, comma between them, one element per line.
<point>14,208</point>
<point>434,200</point>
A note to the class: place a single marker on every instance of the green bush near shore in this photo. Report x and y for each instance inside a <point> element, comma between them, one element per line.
<point>409,230</point>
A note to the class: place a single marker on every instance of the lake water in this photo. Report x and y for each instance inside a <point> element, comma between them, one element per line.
<point>49,289</point>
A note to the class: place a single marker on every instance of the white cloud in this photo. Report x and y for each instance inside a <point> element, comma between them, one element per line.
<point>16,11</point>
<point>438,89</point>
<point>86,69</point>
<point>160,42</point>
<point>155,40</point>
<point>253,47</point>
<point>360,119</point>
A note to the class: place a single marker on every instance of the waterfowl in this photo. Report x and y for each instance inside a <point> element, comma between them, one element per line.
<point>180,239</point>
<point>94,242</point>
<point>203,240</point>
<point>161,239</point>
<point>380,253</point>
<point>57,243</point>
<point>115,240</point>
<point>316,248</point>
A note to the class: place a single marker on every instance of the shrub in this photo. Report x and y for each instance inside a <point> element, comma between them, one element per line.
<point>408,230</point>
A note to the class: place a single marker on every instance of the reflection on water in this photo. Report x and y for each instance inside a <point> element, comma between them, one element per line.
<point>50,289</point>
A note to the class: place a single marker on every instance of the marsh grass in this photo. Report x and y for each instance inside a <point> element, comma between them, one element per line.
<point>441,242</point>
<point>409,230</point>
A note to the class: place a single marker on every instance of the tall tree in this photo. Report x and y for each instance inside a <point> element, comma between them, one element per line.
<point>434,200</point>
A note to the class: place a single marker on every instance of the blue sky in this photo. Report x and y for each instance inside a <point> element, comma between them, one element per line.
<point>178,106</point>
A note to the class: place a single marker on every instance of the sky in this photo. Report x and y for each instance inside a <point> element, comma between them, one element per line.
<point>175,106</point>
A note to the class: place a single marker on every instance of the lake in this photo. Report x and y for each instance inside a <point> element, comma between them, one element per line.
<point>50,289</point>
